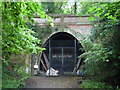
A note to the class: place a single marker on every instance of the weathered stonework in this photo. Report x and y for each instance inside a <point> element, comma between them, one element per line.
<point>74,25</point>
<point>78,27</point>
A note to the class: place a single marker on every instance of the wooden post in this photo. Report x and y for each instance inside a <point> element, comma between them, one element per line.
<point>46,60</point>
<point>77,66</point>
<point>43,64</point>
<point>39,55</point>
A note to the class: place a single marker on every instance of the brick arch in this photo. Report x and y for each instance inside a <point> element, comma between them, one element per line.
<point>70,36</point>
<point>66,31</point>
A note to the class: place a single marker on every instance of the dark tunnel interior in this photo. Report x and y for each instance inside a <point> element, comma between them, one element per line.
<point>62,51</point>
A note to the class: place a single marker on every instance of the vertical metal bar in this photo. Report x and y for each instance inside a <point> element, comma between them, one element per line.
<point>62,59</point>
<point>49,56</point>
<point>75,52</point>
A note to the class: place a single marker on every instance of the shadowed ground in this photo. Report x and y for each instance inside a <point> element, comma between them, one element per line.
<point>53,82</point>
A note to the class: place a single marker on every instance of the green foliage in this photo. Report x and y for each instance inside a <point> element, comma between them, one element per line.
<point>84,8</point>
<point>98,61</point>
<point>17,38</point>
<point>103,47</point>
<point>12,82</point>
<point>61,7</point>
<point>71,8</point>
<point>53,7</point>
<point>13,75</point>
<point>40,31</point>
<point>94,84</point>
<point>108,11</point>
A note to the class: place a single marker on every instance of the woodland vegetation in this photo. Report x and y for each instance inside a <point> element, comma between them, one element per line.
<point>102,48</point>
<point>17,38</point>
<point>102,55</point>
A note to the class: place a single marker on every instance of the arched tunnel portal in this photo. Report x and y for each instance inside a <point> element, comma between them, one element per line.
<point>62,51</point>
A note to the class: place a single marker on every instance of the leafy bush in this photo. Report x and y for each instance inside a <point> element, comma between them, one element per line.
<point>99,63</point>
<point>40,31</point>
<point>96,59</point>
<point>102,48</point>
<point>13,77</point>
<point>94,84</point>
<point>12,82</point>
<point>17,38</point>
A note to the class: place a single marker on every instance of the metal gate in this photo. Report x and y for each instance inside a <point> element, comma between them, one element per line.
<point>62,55</point>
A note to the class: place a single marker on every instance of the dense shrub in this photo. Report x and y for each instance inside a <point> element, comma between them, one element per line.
<point>102,54</point>
<point>13,76</point>
<point>94,84</point>
<point>17,38</point>
<point>14,73</point>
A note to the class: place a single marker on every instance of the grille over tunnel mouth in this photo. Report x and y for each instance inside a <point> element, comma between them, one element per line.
<point>62,50</point>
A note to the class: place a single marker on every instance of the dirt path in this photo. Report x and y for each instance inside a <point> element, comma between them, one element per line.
<point>52,82</point>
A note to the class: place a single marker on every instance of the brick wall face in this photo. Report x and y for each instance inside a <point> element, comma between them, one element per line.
<point>72,24</point>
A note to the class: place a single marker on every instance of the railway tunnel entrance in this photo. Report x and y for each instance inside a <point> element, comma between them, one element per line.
<point>62,51</point>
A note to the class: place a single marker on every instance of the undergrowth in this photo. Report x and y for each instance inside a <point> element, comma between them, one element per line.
<point>13,75</point>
